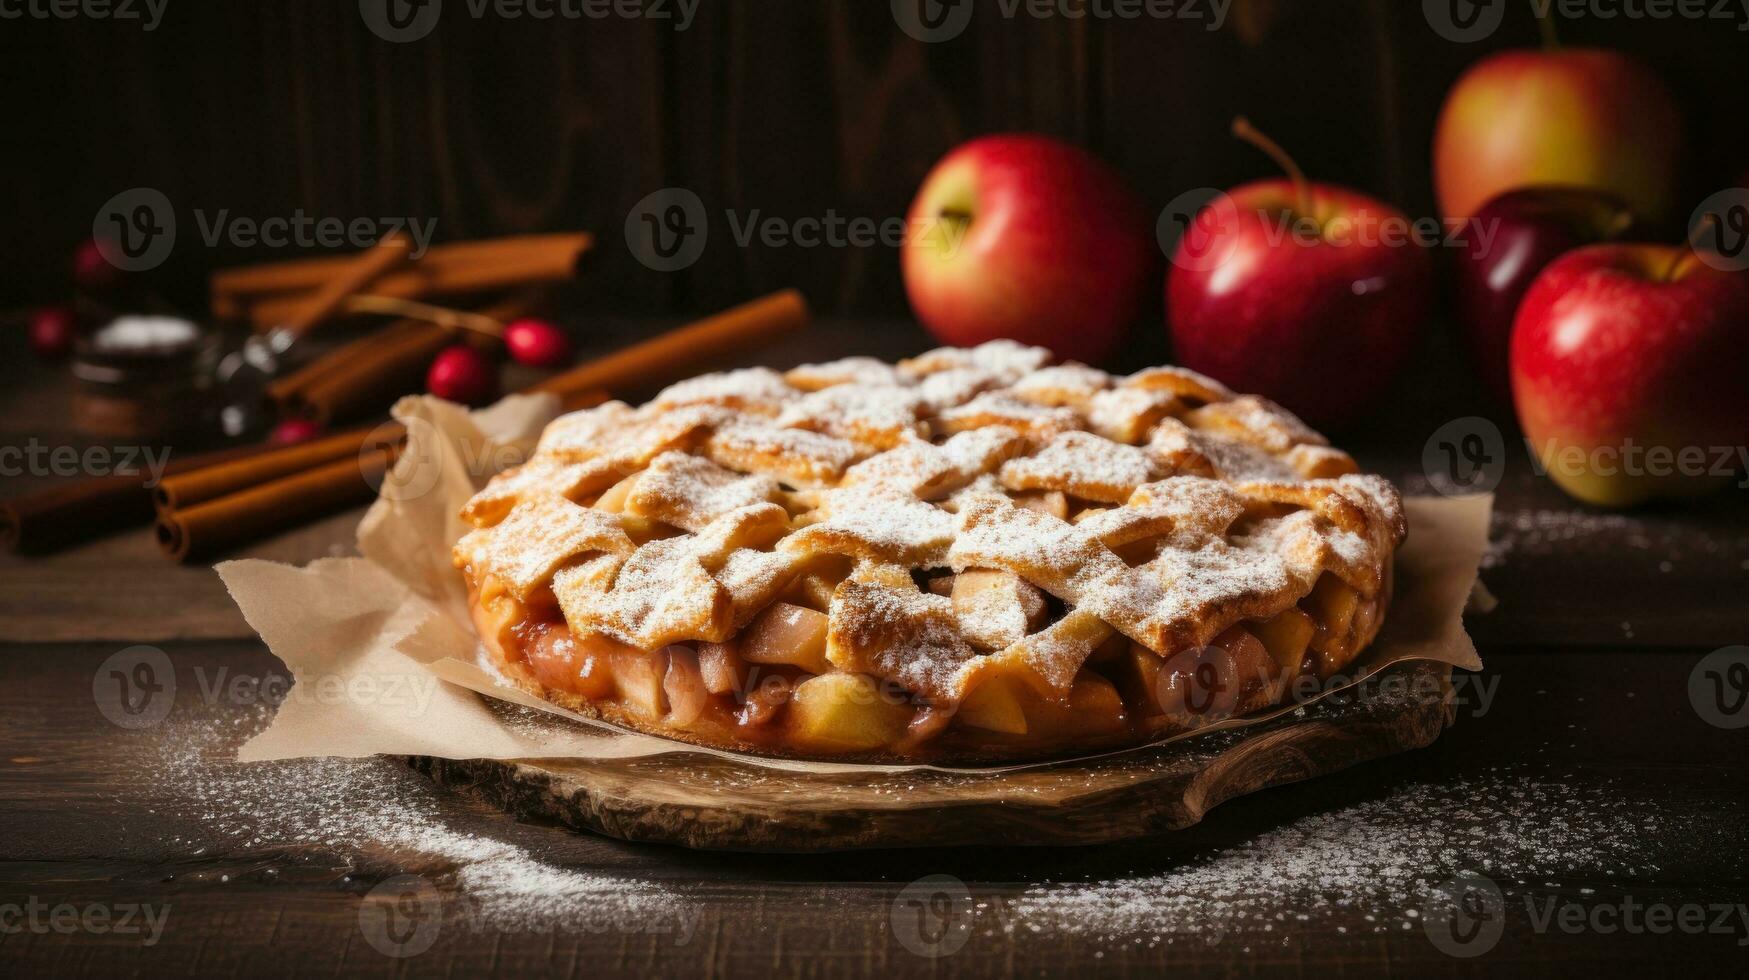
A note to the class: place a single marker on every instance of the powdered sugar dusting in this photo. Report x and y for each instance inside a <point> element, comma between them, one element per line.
<point>1380,860</point>
<point>360,807</point>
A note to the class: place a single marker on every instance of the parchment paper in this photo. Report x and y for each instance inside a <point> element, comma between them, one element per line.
<point>386,661</point>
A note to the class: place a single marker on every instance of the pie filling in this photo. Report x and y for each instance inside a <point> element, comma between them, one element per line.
<point>772,689</point>
<point>970,555</point>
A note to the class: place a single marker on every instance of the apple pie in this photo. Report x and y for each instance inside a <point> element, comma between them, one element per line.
<point>972,555</point>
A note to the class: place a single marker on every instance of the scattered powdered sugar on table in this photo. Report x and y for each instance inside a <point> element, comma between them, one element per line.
<point>1380,859</point>
<point>376,805</point>
<point>1541,533</point>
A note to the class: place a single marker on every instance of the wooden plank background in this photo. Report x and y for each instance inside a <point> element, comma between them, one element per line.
<point>788,107</point>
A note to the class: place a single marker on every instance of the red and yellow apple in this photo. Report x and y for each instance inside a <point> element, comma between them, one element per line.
<point>1578,117</point>
<point>1031,239</point>
<point>1308,293</point>
<point>1627,371</point>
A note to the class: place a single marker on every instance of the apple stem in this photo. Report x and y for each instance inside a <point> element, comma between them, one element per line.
<point>1243,129</point>
<point>1700,228</point>
<point>1545,22</point>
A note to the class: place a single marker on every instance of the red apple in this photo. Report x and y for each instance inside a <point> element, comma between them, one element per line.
<point>1571,116</point>
<point>1031,239</point>
<point>1627,370</point>
<point>1509,241</point>
<point>1307,293</point>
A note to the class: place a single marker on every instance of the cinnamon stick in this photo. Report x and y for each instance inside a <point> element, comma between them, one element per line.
<point>222,507</point>
<point>679,353</point>
<point>367,374</point>
<point>358,274</point>
<point>74,512</point>
<point>269,294</point>
<point>197,486</point>
<point>195,518</point>
<point>248,515</point>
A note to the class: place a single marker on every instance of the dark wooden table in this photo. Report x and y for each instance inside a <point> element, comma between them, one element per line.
<point>1580,778</point>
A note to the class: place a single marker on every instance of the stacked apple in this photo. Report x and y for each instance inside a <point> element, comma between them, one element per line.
<point>1538,153</point>
<point>1313,294</point>
<point>1619,357</point>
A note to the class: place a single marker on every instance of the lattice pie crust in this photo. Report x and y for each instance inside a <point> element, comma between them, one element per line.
<point>970,555</point>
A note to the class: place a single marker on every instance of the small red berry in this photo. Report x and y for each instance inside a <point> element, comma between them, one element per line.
<point>51,332</point>
<point>90,269</point>
<point>538,343</point>
<point>462,374</point>
<point>293,431</point>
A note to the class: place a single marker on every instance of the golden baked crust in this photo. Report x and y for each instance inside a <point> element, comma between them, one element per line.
<point>970,555</point>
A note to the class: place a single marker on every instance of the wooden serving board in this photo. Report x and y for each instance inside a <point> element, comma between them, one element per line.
<point>714,803</point>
